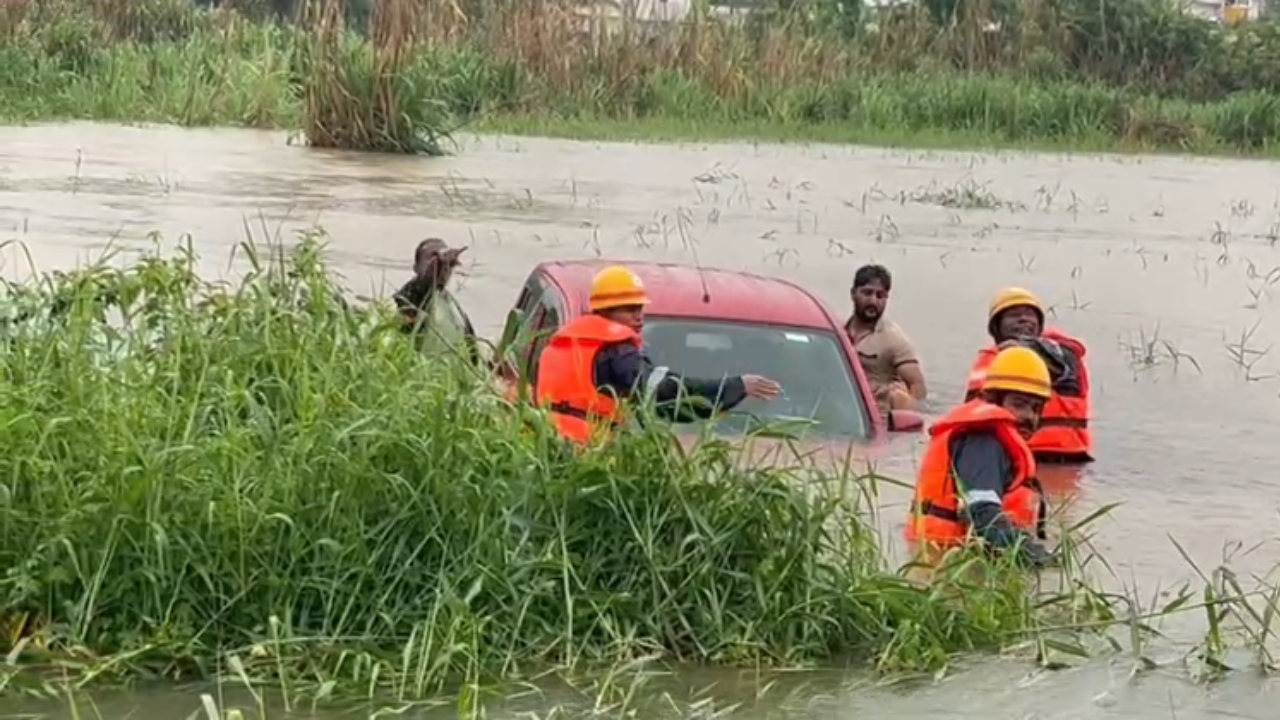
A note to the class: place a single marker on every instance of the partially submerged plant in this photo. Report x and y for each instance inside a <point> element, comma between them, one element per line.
<point>368,94</point>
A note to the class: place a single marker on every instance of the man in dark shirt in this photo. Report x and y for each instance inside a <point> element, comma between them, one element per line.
<point>978,471</point>
<point>1016,318</point>
<point>623,367</point>
<point>608,342</point>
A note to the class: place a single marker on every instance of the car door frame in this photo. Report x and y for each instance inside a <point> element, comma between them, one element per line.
<point>544,309</point>
<point>850,350</point>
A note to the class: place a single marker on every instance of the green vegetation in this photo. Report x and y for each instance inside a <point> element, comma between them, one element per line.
<point>263,484</point>
<point>263,480</point>
<point>1138,74</point>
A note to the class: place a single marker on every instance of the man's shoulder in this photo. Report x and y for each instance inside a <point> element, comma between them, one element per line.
<point>894,338</point>
<point>892,328</point>
<point>619,348</point>
<point>983,440</point>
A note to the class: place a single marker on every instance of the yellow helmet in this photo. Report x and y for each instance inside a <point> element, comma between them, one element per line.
<point>616,286</point>
<point>1012,297</point>
<point>1018,369</point>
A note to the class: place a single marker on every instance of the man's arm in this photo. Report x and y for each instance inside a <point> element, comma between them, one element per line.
<point>683,399</point>
<point>1069,384</point>
<point>906,363</point>
<point>623,369</point>
<point>982,469</point>
<point>1064,366</point>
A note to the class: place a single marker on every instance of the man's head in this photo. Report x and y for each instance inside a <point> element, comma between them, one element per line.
<point>1018,381</point>
<point>870,292</point>
<point>1015,312</point>
<point>436,260</point>
<point>617,294</point>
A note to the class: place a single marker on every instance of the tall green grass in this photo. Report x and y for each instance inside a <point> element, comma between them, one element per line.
<point>196,475</point>
<point>1178,84</point>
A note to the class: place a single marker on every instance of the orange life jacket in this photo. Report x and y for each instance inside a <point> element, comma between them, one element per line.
<point>565,382</point>
<point>935,514</point>
<point>1064,426</point>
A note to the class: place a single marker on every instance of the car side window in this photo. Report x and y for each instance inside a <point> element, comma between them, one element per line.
<point>540,306</point>
<point>529,294</point>
<point>545,325</point>
<point>527,307</point>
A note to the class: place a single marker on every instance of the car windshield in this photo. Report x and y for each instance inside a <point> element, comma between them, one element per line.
<point>817,384</point>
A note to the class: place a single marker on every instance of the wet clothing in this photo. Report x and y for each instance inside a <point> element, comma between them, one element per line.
<point>1063,436</point>
<point>977,473</point>
<point>435,316</point>
<point>591,361</point>
<point>881,353</point>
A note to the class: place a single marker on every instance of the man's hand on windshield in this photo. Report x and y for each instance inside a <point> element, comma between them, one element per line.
<point>761,388</point>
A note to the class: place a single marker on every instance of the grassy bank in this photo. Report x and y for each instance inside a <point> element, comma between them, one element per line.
<point>259,482</point>
<point>1148,78</point>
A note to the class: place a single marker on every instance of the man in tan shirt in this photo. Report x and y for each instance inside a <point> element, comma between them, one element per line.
<point>888,358</point>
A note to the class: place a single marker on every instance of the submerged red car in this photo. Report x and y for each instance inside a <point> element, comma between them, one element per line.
<point>713,323</point>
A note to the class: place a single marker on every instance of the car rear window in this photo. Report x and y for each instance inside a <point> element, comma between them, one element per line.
<point>817,383</point>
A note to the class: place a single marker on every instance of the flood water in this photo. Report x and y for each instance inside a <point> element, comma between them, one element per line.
<point>1161,265</point>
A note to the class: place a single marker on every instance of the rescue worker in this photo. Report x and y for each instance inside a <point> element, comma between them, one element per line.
<point>597,360</point>
<point>888,357</point>
<point>429,310</point>
<point>1016,318</point>
<point>978,472</point>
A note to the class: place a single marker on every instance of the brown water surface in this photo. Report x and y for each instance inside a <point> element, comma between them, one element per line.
<point>1161,265</point>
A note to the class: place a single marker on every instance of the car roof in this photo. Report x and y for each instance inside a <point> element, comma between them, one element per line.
<point>684,291</point>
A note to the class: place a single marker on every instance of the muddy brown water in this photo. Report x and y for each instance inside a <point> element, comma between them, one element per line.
<point>1161,265</point>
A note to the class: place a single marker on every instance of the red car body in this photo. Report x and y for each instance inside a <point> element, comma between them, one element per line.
<point>556,292</point>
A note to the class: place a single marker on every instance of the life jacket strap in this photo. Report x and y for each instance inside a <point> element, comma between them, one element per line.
<point>565,408</point>
<point>928,508</point>
<point>950,515</point>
